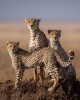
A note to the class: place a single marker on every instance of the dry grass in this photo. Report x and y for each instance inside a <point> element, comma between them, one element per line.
<point>29,90</point>
<point>17,31</point>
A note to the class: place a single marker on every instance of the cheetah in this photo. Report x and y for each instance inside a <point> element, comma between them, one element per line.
<point>61,54</point>
<point>37,39</point>
<point>22,59</point>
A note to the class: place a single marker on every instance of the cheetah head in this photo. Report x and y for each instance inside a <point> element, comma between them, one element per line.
<point>54,34</point>
<point>32,23</point>
<point>12,46</point>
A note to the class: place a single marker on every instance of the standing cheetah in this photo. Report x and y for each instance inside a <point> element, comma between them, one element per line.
<point>37,39</point>
<point>22,59</point>
<point>60,52</point>
<point>69,72</point>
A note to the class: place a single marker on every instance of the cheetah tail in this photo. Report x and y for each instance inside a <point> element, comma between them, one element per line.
<point>71,55</point>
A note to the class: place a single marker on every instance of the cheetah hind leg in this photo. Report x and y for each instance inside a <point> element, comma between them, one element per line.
<point>36,76</point>
<point>55,86</point>
<point>42,74</point>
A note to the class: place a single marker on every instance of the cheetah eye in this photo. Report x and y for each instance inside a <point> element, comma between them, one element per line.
<point>52,34</point>
<point>28,21</point>
<point>57,34</point>
<point>34,22</point>
<point>14,46</point>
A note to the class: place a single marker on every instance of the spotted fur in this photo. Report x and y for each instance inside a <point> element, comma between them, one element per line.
<point>17,54</point>
<point>60,52</point>
<point>67,68</point>
<point>22,59</point>
<point>37,38</point>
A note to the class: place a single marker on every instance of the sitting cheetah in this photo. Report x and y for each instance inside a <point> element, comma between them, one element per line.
<point>22,59</point>
<point>60,53</point>
<point>37,38</point>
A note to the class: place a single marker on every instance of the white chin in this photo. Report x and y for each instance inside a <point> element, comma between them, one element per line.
<point>12,52</point>
<point>54,40</point>
<point>29,27</point>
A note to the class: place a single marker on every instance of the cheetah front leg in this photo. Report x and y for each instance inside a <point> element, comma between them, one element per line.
<point>52,88</point>
<point>19,75</point>
<point>56,81</point>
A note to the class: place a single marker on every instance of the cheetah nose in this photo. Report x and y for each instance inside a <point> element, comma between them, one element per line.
<point>55,37</point>
<point>12,49</point>
<point>32,26</point>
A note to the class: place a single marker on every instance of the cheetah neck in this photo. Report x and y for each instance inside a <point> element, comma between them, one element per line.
<point>60,54</point>
<point>60,51</point>
<point>33,33</point>
<point>34,30</point>
<point>13,57</point>
<point>55,44</point>
<point>11,54</point>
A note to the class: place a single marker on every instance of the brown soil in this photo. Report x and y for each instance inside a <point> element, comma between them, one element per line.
<point>31,91</point>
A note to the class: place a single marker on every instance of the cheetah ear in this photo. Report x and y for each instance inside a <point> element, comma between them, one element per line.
<point>49,30</point>
<point>25,20</point>
<point>59,31</point>
<point>39,20</point>
<point>17,43</point>
<point>8,42</point>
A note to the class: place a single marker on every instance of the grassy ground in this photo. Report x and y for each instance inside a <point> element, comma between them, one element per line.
<point>29,90</point>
